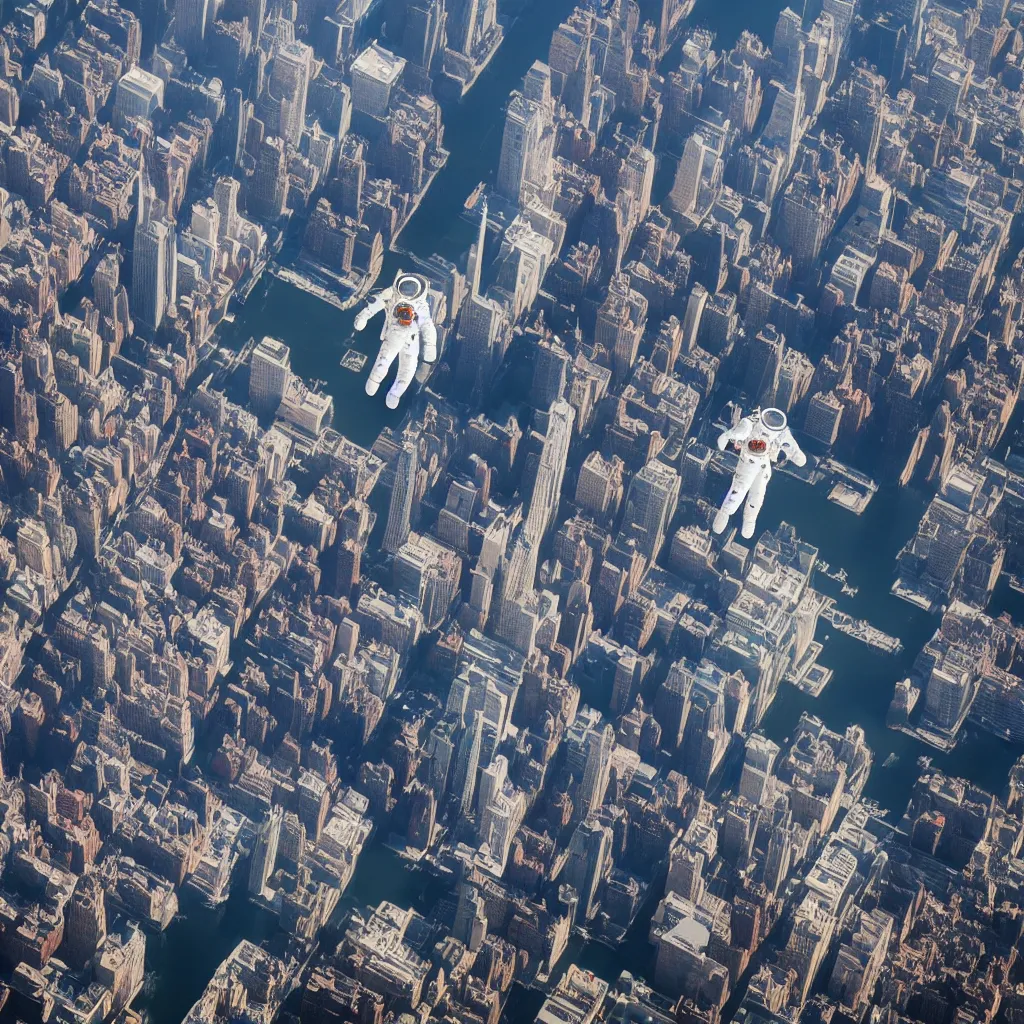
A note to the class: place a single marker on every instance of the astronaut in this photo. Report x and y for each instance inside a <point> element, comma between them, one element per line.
<point>761,438</point>
<point>407,327</point>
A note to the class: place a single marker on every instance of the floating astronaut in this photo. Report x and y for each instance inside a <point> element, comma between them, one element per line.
<point>407,326</point>
<point>761,438</point>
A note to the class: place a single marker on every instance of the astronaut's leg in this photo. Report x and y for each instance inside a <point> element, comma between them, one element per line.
<point>389,349</point>
<point>755,499</point>
<point>741,481</point>
<point>408,359</point>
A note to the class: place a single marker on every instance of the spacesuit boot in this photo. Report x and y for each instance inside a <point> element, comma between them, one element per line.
<point>407,326</point>
<point>720,522</point>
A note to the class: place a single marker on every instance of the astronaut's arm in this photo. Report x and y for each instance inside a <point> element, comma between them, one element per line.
<point>738,433</point>
<point>372,308</point>
<point>793,452</point>
<point>428,337</point>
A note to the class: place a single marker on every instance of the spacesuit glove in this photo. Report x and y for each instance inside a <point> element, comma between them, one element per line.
<point>361,320</point>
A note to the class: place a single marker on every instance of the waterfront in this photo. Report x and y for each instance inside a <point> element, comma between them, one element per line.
<point>183,960</point>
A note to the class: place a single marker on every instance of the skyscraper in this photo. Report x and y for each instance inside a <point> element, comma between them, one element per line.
<point>190,18</point>
<point>400,509</point>
<point>288,85</point>
<point>269,375</point>
<point>225,195</point>
<point>375,76</point>
<point>550,373</point>
<point>528,139</point>
<point>689,174</point>
<point>264,857</point>
<point>476,253</point>
<point>650,505</point>
<point>467,761</point>
<point>600,743</point>
<point>424,30</point>
<point>520,570</point>
<point>155,258</point>
<point>785,126</point>
<point>585,862</point>
<point>85,921</point>
<point>138,94</point>
<point>268,187</point>
<point>547,487</point>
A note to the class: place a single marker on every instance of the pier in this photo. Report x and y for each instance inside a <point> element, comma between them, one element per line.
<point>862,630</point>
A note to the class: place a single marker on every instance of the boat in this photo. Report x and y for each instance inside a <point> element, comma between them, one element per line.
<point>474,196</point>
<point>890,760</point>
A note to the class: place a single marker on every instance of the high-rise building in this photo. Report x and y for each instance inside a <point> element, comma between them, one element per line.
<point>587,857</point>
<point>492,780</point>
<point>190,21</point>
<point>138,94</point>
<point>85,921</point>
<point>547,487</point>
<point>824,417</point>
<point>476,252</point>
<point>766,353</point>
<point>596,768</point>
<point>154,258</point>
<point>425,23</point>
<point>150,273</point>
<point>467,761</point>
<point>462,25</point>
<point>225,195</point>
<point>527,143</point>
<point>650,505</point>
<point>375,76</point>
<point>758,766</point>
<point>58,418</point>
<point>268,188</point>
<point>288,87</point>
<point>400,510</point>
<point>849,272</point>
<point>264,857</point>
<point>786,124</point>
<point>550,372</point>
<point>599,485</point>
<point>706,737</point>
<point>105,282</point>
<point>269,375</point>
<point>795,376</point>
<point>470,926</point>
<point>621,321</point>
<point>697,156</point>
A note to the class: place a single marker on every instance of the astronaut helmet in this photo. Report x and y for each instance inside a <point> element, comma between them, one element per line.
<point>410,286</point>
<point>773,420</point>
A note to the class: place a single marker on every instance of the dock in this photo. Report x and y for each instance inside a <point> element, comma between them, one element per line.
<point>861,629</point>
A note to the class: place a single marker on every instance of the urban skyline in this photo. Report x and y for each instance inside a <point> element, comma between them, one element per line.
<point>259,642</point>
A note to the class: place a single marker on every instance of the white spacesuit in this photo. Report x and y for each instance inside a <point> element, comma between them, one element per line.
<point>761,438</point>
<point>407,325</point>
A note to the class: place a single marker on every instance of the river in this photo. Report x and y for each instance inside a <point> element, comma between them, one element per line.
<point>181,962</point>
